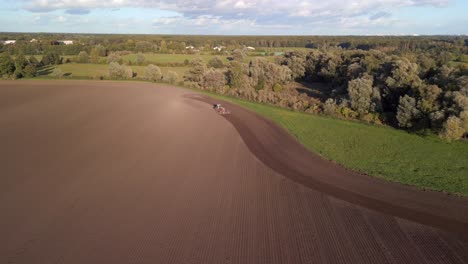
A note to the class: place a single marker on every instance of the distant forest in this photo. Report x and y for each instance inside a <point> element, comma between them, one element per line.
<point>175,43</point>
<point>416,83</point>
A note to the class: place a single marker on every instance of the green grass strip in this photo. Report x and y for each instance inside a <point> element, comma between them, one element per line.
<point>384,152</point>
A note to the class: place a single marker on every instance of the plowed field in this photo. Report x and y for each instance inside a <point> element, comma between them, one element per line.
<point>115,172</point>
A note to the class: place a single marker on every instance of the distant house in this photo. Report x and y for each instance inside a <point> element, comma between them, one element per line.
<point>33,40</point>
<point>219,48</point>
<point>190,47</point>
<point>9,42</point>
<point>66,42</point>
<point>250,48</point>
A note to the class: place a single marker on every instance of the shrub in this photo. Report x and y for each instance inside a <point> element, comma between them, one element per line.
<point>152,73</point>
<point>30,71</point>
<point>83,57</point>
<point>171,77</point>
<point>453,129</point>
<point>51,58</point>
<point>216,63</point>
<point>214,79</point>
<point>118,71</point>
<point>329,108</point>
<point>114,57</point>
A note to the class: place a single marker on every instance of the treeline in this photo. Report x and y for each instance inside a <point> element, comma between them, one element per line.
<point>417,92</point>
<point>177,43</point>
<point>25,67</point>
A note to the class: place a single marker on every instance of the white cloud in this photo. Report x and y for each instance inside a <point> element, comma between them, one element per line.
<point>249,13</point>
<point>214,7</point>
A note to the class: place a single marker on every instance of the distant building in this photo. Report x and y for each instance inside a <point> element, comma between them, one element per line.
<point>250,48</point>
<point>9,42</point>
<point>33,40</point>
<point>189,47</point>
<point>66,42</point>
<point>219,48</point>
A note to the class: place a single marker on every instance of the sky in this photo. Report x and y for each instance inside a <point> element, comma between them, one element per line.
<point>237,17</point>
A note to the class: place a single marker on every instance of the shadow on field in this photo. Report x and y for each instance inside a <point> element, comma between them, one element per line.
<point>45,70</point>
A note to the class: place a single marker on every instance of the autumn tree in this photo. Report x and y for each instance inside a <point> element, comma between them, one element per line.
<point>171,77</point>
<point>360,92</point>
<point>196,72</point>
<point>216,63</point>
<point>296,62</point>
<point>214,79</point>
<point>453,129</point>
<point>118,71</point>
<point>152,73</point>
<point>407,113</point>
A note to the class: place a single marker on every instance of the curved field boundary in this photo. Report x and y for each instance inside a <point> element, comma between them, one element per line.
<point>280,151</point>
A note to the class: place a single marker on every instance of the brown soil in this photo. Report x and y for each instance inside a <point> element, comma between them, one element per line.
<point>113,172</point>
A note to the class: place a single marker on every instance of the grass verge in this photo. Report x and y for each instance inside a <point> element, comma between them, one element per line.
<point>394,155</point>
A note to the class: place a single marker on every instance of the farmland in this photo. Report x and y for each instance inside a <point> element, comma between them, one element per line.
<point>89,71</point>
<point>153,171</point>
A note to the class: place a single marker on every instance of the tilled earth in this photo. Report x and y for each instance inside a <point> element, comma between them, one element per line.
<point>116,172</point>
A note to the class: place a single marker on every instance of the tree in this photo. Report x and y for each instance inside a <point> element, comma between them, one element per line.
<point>118,71</point>
<point>163,46</point>
<point>444,57</point>
<point>428,98</point>
<point>82,57</point>
<point>196,72</point>
<point>20,63</point>
<point>94,55</point>
<point>453,129</point>
<point>238,55</point>
<point>33,61</point>
<point>395,79</point>
<point>407,112</point>
<point>236,75</point>
<point>216,63</point>
<point>214,79</point>
<point>143,46</point>
<point>7,65</point>
<point>171,77</point>
<point>426,63</point>
<point>464,120</point>
<point>30,71</point>
<point>114,57</point>
<point>140,59</point>
<point>360,92</point>
<point>354,70</point>
<point>329,108</point>
<point>153,73</point>
<point>296,61</point>
<point>51,58</point>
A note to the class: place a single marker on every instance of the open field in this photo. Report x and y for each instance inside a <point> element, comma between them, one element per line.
<point>162,58</point>
<point>124,172</point>
<point>93,70</point>
<point>426,162</point>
